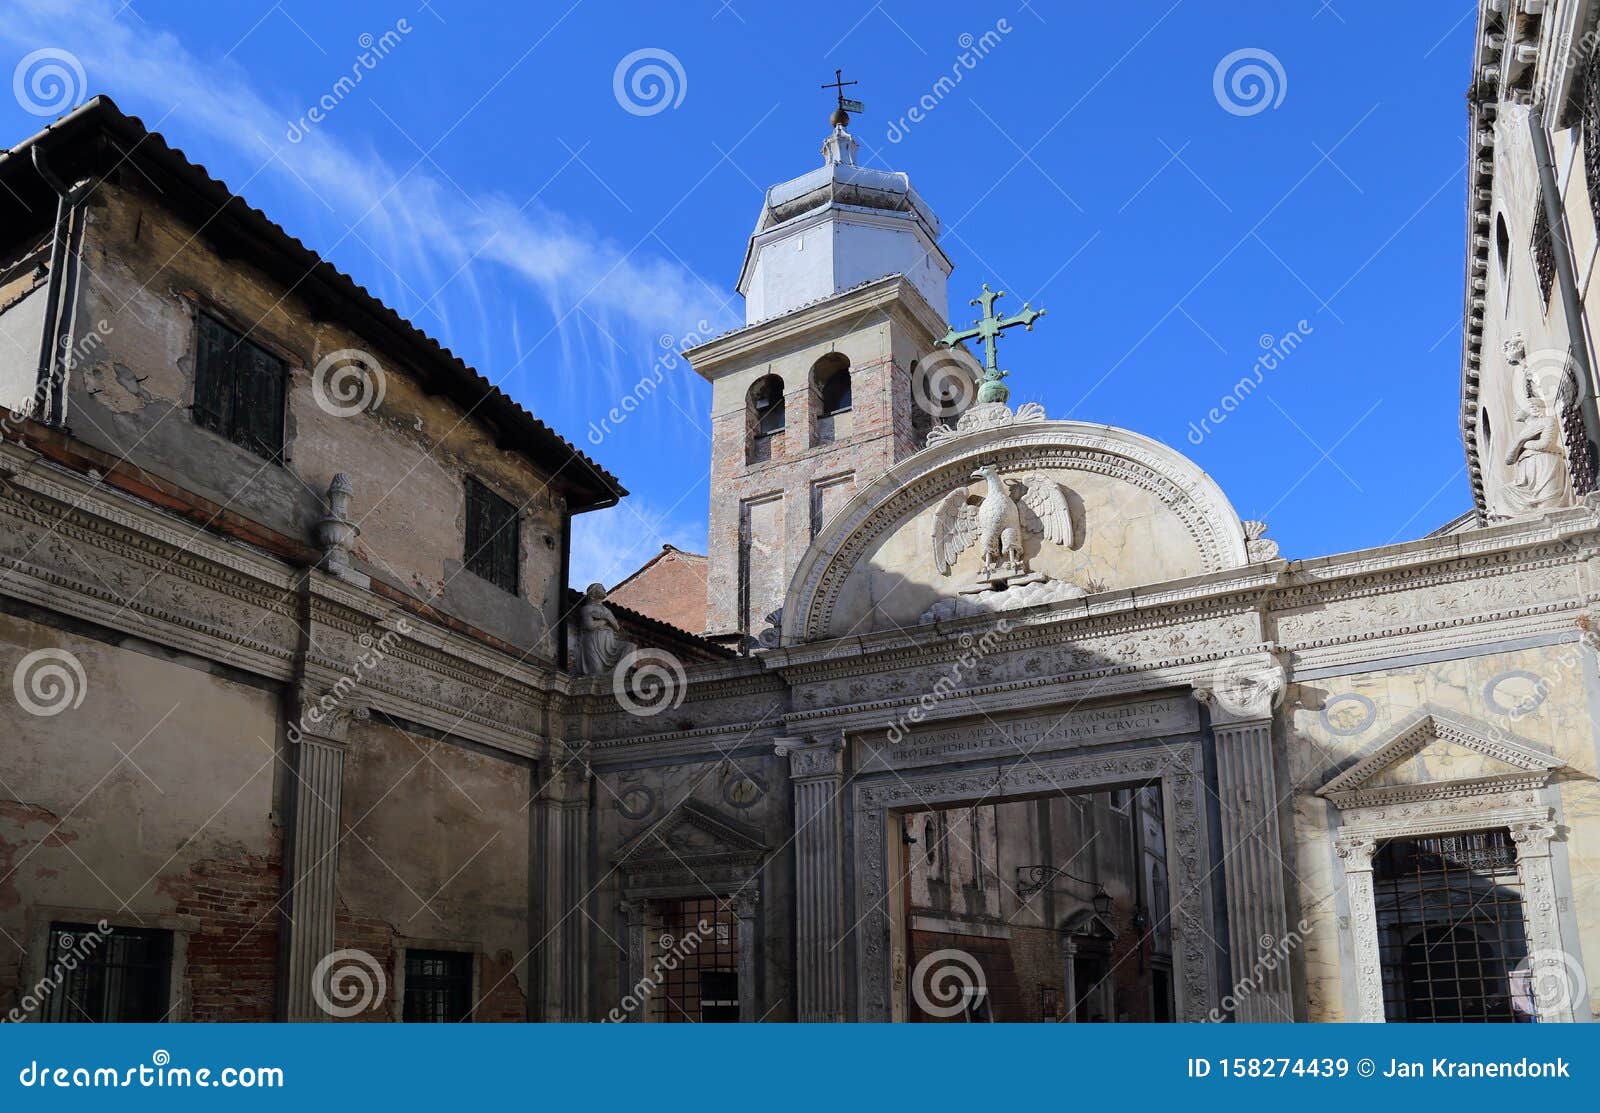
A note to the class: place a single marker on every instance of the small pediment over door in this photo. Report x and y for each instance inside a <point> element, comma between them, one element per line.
<point>693,844</point>
<point>1434,755</point>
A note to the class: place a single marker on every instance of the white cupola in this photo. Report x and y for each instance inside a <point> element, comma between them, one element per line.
<point>836,227</point>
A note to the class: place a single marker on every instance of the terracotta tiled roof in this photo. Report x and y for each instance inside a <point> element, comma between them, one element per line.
<point>99,138</point>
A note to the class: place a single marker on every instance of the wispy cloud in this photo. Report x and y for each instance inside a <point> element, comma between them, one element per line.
<point>609,545</point>
<point>442,251</point>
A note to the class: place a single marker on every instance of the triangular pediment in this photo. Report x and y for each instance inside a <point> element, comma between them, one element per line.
<point>1434,754</point>
<point>692,832</point>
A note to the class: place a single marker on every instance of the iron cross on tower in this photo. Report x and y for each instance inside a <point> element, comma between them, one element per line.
<point>988,328</point>
<point>841,115</point>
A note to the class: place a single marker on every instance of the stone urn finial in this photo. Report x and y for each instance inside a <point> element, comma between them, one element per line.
<point>336,533</point>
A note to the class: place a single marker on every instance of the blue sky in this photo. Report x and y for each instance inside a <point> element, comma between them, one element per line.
<point>486,180</point>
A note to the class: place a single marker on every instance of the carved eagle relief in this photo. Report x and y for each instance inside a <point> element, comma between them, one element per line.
<point>995,520</point>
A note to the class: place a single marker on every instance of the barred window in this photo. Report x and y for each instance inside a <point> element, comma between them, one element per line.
<point>1544,250</point>
<point>492,537</point>
<point>1591,134</point>
<point>438,987</point>
<point>1453,938</point>
<point>123,975</point>
<point>238,389</point>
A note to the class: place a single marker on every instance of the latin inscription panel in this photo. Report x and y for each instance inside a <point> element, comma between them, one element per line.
<point>1084,726</point>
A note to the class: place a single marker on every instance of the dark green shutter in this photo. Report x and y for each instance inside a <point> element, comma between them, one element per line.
<point>492,536</point>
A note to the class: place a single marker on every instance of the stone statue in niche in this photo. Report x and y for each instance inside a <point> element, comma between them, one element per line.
<point>1537,456</point>
<point>600,642</point>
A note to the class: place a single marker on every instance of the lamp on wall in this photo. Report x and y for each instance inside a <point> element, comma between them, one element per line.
<point>1032,879</point>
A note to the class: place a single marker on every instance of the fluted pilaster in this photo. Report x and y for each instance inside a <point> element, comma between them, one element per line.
<point>816,770</point>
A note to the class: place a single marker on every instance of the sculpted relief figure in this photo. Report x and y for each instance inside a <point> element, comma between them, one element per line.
<point>1537,456</point>
<point>600,645</point>
<point>995,521</point>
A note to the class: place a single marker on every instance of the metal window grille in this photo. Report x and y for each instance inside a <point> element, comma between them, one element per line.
<point>1452,930</point>
<point>1544,251</point>
<point>121,976</point>
<point>438,987</point>
<point>238,389</point>
<point>492,537</point>
<point>697,952</point>
<point>1591,134</point>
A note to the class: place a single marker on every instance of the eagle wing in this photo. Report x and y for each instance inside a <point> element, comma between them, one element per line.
<point>1044,507</point>
<point>955,528</point>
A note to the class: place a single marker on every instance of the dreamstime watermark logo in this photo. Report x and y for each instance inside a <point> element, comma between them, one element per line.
<point>1549,981</point>
<point>974,49</point>
<point>947,982</point>
<point>1274,351</point>
<point>649,81</point>
<point>651,381</point>
<point>48,81</point>
<point>49,681</point>
<point>71,951</point>
<point>1249,81</point>
<point>649,681</point>
<point>672,954</point>
<point>374,49</point>
<point>945,383</point>
<point>973,650</point>
<point>348,982</point>
<point>347,382</point>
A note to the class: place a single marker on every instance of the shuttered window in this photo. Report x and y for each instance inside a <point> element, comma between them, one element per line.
<point>492,541</point>
<point>238,389</point>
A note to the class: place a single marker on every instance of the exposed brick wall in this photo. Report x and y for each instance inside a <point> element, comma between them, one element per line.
<point>377,938</point>
<point>231,973</point>
<point>500,993</point>
<point>670,588</point>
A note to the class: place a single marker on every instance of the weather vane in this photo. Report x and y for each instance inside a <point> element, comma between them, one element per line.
<point>987,328</point>
<point>841,115</point>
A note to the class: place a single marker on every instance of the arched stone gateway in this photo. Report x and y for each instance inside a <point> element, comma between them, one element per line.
<point>914,546</point>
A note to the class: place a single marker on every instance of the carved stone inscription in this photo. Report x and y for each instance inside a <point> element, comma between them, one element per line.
<point>1084,726</point>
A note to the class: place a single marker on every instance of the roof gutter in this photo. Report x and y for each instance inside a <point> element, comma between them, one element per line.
<point>1577,335</point>
<point>49,397</point>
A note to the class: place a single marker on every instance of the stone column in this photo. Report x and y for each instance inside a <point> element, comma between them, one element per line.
<point>816,769</point>
<point>1241,704</point>
<point>316,737</point>
<point>1556,978</point>
<point>744,907</point>
<point>562,808</point>
<point>633,914</point>
<point>1356,853</point>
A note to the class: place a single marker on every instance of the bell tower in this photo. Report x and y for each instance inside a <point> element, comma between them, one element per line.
<point>844,287</point>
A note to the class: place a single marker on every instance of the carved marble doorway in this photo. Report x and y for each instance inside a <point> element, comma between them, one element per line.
<point>884,967</point>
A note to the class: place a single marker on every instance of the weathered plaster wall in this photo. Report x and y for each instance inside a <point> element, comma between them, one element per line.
<point>436,855</point>
<point>152,799</point>
<point>150,275</point>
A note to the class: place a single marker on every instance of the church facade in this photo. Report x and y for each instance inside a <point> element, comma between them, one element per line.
<point>993,716</point>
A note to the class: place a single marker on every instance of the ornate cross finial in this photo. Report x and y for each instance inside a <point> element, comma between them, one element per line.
<point>841,115</point>
<point>988,328</point>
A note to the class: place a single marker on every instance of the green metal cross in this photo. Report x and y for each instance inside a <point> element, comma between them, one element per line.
<point>988,328</point>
